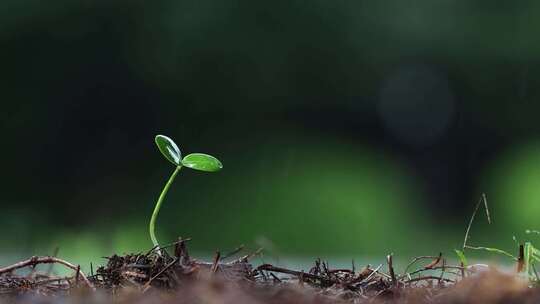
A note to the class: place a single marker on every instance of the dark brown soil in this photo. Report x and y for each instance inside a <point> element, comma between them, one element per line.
<point>158,277</point>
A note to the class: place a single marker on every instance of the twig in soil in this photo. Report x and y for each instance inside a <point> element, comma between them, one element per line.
<point>443,270</point>
<point>430,278</point>
<point>77,274</point>
<point>181,252</point>
<point>276,279</point>
<point>232,253</point>
<point>521,259</point>
<point>159,248</point>
<point>391,270</point>
<point>33,261</point>
<point>50,280</point>
<point>147,284</point>
<point>373,272</point>
<point>340,270</point>
<point>215,264</point>
<point>298,274</point>
<point>418,258</point>
<point>435,262</point>
<point>55,254</point>
<point>246,257</point>
<point>437,268</point>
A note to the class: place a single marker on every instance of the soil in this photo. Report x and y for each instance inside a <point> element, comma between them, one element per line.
<point>159,277</point>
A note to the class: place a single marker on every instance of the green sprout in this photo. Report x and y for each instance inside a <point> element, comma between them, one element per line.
<point>196,161</point>
<point>528,255</point>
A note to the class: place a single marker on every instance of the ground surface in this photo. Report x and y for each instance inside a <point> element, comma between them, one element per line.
<point>160,277</point>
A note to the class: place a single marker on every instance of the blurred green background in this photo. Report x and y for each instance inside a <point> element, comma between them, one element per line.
<point>346,128</point>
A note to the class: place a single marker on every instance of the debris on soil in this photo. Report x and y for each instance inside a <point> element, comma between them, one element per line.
<point>40,283</point>
<point>157,276</point>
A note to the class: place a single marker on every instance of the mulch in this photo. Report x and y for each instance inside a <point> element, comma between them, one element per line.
<point>156,276</point>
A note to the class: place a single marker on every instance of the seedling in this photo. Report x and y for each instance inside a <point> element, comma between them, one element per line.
<point>527,257</point>
<point>196,161</point>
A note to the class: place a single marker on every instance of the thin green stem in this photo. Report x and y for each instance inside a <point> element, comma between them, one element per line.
<point>158,206</point>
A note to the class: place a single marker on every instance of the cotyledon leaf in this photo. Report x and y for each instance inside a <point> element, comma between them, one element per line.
<point>202,162</point>
<point>169,149</point>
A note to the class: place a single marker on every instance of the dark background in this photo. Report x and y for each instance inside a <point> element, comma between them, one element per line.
<point>344,127</point>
